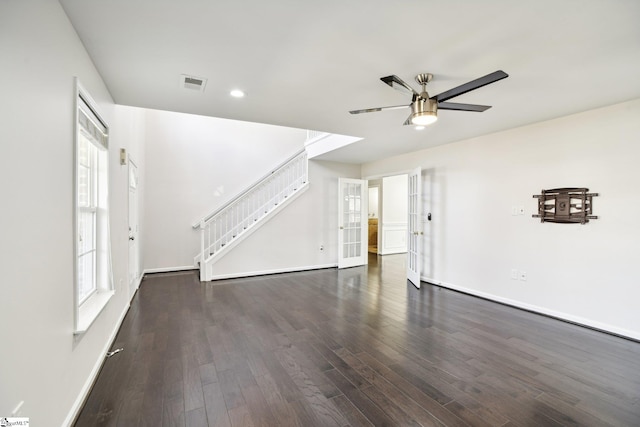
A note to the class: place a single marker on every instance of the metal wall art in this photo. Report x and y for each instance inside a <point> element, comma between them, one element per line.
<point>565,205</point>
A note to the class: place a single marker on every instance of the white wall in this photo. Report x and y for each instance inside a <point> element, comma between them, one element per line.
<point>292,239</point>
<point>393,220</point>
<point>42,363</point>
<point>194,165</point>
<point>374,201</point>
<point>584,273</point>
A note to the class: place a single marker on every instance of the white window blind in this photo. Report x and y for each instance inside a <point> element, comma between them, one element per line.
<point>91,124</point>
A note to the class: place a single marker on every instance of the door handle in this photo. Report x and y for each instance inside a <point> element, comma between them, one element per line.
<point>341,228</point>
<point>132,238</point>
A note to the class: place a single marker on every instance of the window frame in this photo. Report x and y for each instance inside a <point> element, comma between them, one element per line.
<point>88,307</point>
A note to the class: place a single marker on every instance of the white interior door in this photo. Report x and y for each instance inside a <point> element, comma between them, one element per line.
<point>352,222</point>
<point>414,239</point>
<point>134,228</point>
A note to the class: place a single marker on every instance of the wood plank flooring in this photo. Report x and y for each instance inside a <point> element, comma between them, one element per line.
<point>355,347</point>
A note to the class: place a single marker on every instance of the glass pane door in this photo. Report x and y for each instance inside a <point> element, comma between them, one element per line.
<point>352,223</point>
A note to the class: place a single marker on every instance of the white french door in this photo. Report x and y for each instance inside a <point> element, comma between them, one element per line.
<point>414,241</point>
<point>352,222</point>
<point>134,245</point>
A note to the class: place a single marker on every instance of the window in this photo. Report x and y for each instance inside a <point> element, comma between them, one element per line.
<point>86,213</point>
<point>93,275</point>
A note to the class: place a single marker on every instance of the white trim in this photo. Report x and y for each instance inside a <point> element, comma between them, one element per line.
<point>139,280</point>
<point>274,271</point>
<point>90,309</point>
<point>581,321</point>
<point>93,376</point>
<point>167,269</point>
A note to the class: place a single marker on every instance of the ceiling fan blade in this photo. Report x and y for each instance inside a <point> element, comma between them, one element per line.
<point>371,110</point>
<point>472,85</point>
<point>398,84</point>
<point>462,107</point>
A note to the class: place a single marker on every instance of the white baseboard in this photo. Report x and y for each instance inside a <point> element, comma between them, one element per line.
<point>540,310</point>
<point>274,271</point>
<point>169,269</point>
<point>86,388</point>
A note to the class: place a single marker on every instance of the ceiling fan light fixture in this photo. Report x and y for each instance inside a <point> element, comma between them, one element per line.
<point>424,119</point>
<point>424,112</point>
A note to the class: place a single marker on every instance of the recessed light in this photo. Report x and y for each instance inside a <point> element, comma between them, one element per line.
<point>237,93</point>
<point>419,127</point>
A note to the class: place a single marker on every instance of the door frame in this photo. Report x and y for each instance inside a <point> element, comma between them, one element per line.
<point>394,173</point>
<point>414,228</point>
<point>134,277</point>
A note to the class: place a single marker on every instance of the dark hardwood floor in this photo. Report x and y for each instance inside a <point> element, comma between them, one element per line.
<point>354,347</point>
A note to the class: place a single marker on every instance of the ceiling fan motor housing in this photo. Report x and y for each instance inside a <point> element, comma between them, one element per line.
<point>424,111</point>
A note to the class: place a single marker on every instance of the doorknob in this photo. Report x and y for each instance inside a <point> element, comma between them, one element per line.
<point>132,238</point>
<point>341,228</point>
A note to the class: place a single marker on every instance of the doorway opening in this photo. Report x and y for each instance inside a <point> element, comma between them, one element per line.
<point>388,215</point>
<point>400,214</point>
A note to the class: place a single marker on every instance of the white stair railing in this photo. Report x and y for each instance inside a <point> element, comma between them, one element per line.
<point>227,224</point>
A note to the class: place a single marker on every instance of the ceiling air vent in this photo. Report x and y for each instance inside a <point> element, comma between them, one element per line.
<point>193,82</point>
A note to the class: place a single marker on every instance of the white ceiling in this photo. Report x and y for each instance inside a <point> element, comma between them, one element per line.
<point>305,64</point>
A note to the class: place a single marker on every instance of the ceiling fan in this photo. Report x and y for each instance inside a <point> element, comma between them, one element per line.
<point>424,109</point>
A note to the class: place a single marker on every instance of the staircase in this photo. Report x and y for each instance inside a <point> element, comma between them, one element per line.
<point>233,222</point>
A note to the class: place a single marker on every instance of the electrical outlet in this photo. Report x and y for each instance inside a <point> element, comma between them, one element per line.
<point>514,274</point>
<point>523,276</point>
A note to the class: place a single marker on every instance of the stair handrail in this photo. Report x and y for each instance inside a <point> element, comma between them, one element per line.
<point>203,222</point>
